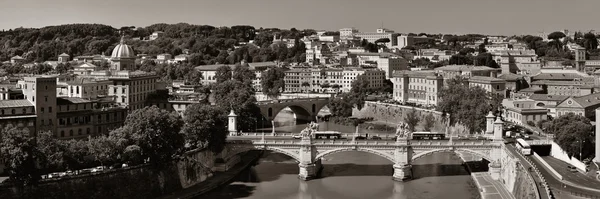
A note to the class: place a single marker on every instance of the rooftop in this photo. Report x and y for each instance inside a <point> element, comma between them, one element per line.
<point>557,76</point>
<point>588,100</point>
<point>546,97</point>
<point>485,79</point>
<point>71,100</point>
<point>465,68</point>
<point>15,103</point>
<point>422,73</point>
<point>510,76</point>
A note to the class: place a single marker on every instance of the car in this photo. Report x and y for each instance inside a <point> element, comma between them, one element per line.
<point>527,137</point>
<point>375,137</point>
<point>572,168</point>
<point>85,171</point>
<point>360,137</point>
<point>296,136</point>
<point>98,169</point>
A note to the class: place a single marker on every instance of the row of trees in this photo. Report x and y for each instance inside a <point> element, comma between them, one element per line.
<point>149,134</point>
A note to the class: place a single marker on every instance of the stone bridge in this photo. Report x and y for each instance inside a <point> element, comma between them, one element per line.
<point>305,109</point>
<point>308,152</point>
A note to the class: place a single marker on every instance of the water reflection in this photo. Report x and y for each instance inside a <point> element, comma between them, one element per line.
<point>351,175</point>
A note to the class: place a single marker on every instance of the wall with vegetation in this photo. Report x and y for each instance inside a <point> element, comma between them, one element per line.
<point>395,113</point>
<point>141,181</point>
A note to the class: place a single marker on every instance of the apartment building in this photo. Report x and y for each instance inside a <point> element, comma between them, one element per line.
<point>522,111</point>
<point>380,34</point>
<point>419,87</point>
<point>492,85</point>
<point>330,80</point>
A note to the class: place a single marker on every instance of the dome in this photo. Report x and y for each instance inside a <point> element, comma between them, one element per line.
<point>122,51</point>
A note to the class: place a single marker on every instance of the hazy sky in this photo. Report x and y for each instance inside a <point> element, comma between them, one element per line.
<point>506,17</point>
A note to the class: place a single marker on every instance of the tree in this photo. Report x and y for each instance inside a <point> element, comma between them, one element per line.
<point>272,82</point>
<point>591,42</point>
<point>243,74</point>
<point>485,59</point>
<point>157,132</point>
<point>556,36</point>
<point>467,105</point>
<point>132,155</point>
<point>19,153</point>
<point>53,150</point>
<point>223,73</point>
<point>459,59</point>
<point>206,126</point>
<point>412,119</point>
<point>573,133</point>
<point>341,106</point>
<point>63,68</point>
<point>103,149</point>
<point>240,97</point>
<point>382,40</point>
<point>429,122</point>
<point>359,91</point>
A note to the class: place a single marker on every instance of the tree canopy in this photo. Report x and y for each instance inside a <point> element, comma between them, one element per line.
<point>272,82</point>
<point>467,105</point>
<point>572,132</point>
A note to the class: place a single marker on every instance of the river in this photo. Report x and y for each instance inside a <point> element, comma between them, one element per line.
<point>349,175</point>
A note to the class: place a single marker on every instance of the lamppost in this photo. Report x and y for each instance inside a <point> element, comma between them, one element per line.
<point>580,147</point>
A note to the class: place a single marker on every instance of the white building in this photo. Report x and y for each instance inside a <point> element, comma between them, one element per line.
<point>380,34</point>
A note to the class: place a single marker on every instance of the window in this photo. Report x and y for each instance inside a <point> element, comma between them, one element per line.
<point>13,111</point>
<point>79,132</point>
<point>62,133</point>
<point>70,132</point>
<point>46,98</point>
<point>88,131</point>
<point>50,109</point>
<point>42,110</point>
<point>33,98</point>
<point>50,122</point>
<point>24,110</point>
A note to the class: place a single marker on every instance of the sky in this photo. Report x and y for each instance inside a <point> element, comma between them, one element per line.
<point>495,17</point>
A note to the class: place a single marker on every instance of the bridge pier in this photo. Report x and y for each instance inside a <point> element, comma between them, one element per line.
<point>310,171</point>
<point>402,172</point>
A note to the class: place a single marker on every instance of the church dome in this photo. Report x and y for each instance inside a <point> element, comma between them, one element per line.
<point>122,51</point>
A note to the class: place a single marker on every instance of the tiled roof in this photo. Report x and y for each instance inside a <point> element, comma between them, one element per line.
<point>485,79</point>
<point>71,100</point>
<point>64,55</point>
<point>85,65</point>
<point>557,76</point>
<point>15,103</point>
<point>531,89</point>
<point>510,76</point>
<point>424,73</point>
<point>212,67</point>
<point>465,68</point>
<point>546,97</point>
<point>588,100</point>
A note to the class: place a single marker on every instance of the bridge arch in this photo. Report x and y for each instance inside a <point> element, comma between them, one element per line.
<point>472,152</point>
<point>304,110</point>
<point>288,153</point>
<point>385,155</point>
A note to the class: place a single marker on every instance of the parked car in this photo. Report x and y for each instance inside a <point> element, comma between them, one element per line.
<point>527,137</point>
<point>375,137</point>
<point>360,137</point>
<point>296,136</point>
<point>572,168</point>
<point>98,169</point>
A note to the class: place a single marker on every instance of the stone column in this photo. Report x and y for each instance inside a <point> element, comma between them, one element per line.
<point>402,160</point>
<point>489,123</point>
<point>309,168</point>
<point>273,127</point>
<point>232,126</point>
<point>597,158</point>
<point>498,129</point>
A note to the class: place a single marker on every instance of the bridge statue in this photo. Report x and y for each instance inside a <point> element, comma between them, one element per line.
<point>403,130</point>
<point>309,130</point>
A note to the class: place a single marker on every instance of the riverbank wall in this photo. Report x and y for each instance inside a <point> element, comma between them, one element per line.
<point>393,113</point>
<point>516,178</point>
<point>142,181</point>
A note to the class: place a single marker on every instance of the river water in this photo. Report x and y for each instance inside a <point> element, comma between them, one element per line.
<point>349,175</point>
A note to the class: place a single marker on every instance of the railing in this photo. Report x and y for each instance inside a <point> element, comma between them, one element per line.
<point>442,143</point>
<point>292,100</point>
<point>539,142</point>
<point>537,171</point>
